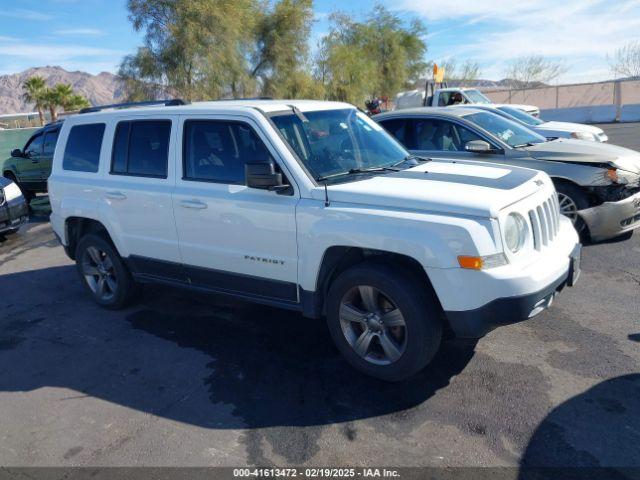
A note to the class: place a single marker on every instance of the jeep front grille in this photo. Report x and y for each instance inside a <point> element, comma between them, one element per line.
<point>545,222</point>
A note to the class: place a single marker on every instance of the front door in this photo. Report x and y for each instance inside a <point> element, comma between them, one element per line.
<point>233,238</point>
<point>28,166</point>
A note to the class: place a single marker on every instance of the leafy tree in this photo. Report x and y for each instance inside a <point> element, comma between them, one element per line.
<point>62,95</point>
<point>195,48</point>
<point>469,72</point>
<point>281,59</point>
<point>532,70</point>
<point>626,60</point>
<point>465,73</point>
<point>35,90</point>
<point>376,57</point>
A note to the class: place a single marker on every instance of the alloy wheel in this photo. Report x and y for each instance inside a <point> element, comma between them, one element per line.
<point>373,325</point>
<point>99,272</point>
<point>568,207</point>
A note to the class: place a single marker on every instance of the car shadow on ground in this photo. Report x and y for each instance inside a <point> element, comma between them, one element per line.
<point>251,366</point>
<point>591,433</point>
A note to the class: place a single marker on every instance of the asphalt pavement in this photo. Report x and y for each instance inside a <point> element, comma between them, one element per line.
<point>184,380</point>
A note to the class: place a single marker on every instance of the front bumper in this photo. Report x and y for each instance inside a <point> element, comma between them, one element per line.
<point>13,214</point>
<point>477,301</point>
<point>612,219</point>
<point>504,311</point>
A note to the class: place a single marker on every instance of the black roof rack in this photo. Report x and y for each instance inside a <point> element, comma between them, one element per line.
<point>167,103</point>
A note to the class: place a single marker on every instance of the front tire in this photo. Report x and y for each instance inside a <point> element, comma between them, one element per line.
<point>103,273</point>
<point>27,194</point>
<point>384,320</point>
<point>571,199</point>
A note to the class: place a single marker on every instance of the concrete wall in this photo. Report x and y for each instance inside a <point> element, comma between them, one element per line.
<point>615,101</point>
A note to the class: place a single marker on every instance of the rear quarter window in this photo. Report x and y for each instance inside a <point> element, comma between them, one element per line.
<point>82,151</point>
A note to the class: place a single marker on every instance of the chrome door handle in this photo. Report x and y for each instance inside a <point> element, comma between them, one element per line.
<point>196,204</point>
<point>115,195</point>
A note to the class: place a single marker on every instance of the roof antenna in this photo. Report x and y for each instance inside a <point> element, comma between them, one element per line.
<point>326,195</point>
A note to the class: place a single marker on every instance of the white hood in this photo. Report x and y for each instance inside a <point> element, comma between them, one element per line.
<point>459,188</point>
<point>525,108</point>
<point>568,127</point>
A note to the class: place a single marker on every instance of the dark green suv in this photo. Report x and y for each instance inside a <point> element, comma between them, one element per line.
<point>30,167</point>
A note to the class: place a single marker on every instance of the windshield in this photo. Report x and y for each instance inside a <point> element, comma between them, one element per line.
<point>510,132</point>
<point>476,97</point>
<point>333,142</point>
<point>524,117</point>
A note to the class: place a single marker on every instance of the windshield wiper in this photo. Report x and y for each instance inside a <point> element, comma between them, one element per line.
<point>409,158</point>
<point>355,171</point>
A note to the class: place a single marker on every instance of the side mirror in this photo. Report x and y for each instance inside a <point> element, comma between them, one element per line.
<point>478,146</point>
<point>263,175</point>
<point>16,152</point>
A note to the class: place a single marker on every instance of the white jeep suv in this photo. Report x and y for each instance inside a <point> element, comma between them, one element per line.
<point>309,206</point>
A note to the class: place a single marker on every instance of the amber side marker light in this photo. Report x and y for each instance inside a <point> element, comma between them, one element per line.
<point>612,174</point>
<point>472,263</point>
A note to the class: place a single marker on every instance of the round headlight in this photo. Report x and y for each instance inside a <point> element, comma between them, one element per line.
<point>515,232</point>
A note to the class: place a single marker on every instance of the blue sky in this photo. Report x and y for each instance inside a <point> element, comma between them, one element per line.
<point>94,35</point>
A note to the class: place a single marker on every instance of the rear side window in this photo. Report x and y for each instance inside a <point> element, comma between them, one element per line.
<point>400,129</point>
<point>141,148</point>
<point>216,151</point>
<point>82,152</point>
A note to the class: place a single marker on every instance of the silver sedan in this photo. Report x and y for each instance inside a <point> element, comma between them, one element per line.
<point>598,184</point>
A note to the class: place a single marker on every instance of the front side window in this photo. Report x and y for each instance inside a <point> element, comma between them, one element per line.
<point>475,96</point>
<point>34,147</point>
<point>50,139</point>
<point>82,152</point>
<point>217,150</point>
<point>141,148</point>
<point>510,132</point>
<point>338,142</point>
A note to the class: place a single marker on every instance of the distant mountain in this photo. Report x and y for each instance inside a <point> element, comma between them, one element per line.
<point>98,89</point>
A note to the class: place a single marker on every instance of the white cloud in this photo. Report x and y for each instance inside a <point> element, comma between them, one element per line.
<point>22,55</point>
<point>25,14</point>
<point>91,32</point>
<point>579,32</point>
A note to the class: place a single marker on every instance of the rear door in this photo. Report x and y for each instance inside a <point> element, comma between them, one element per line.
<point>233,238</point>
<point>137,196</point>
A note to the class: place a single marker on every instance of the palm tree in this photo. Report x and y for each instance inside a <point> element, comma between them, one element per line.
<point>35,90</point>
<point>75,102</point>
<point>62,95</point>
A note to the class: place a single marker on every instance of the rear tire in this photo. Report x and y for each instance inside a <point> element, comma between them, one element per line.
<point>103,273</point>
<point>384,320</point>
